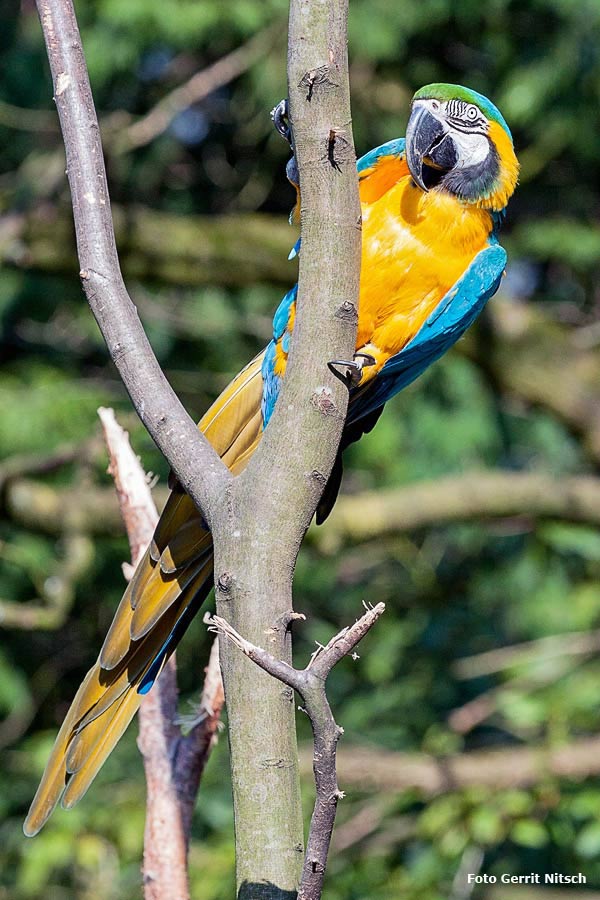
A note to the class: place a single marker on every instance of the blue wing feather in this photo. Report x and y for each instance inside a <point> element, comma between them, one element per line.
<point>446,324</point>
<point>391,148</point>
<point>272,381</point>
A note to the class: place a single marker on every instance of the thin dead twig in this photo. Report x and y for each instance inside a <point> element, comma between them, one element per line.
<point>310,683</point>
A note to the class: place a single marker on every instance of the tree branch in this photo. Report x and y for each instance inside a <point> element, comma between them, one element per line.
<point>502,768</point>
<point>255,546</point>
<point>457,498</point>
<point>165,846</point>
<point>271,503</point>
<point>203,83</point>
<point>194,461</point>
<point>230,250</point>
<point>171,793</point>
<point>573,643</point>
<point>193,750</point>
<point>355,518</point>
<point>310,683</point>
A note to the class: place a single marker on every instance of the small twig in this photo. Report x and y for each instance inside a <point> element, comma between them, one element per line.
<point>173,764</point>
<point>310,683</point>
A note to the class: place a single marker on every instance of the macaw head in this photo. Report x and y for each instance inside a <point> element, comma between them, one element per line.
<point>458,142</point>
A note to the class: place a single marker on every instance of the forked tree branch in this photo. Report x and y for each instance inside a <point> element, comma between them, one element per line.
<point>310,683</point>
<point>173,764</point>
<point>192,458</point>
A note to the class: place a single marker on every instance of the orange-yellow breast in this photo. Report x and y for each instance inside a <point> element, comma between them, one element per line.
<point>415,247</point>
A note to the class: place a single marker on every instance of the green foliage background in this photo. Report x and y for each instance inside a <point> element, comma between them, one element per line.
<point>451,591</point>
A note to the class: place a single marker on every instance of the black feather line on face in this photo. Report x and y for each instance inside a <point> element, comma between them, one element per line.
<point>474,182</point>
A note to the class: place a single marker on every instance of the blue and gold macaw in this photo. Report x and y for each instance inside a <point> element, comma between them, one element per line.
<point>431,207</point>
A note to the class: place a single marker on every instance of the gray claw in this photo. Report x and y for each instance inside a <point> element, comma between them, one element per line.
<point>353,368</point>
<point>280,118</point>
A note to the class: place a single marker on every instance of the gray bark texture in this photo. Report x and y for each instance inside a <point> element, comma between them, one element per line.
<point>271,504</point>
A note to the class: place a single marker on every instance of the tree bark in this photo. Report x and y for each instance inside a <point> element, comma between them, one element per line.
<point>272,502</point>
<point>196,464</point>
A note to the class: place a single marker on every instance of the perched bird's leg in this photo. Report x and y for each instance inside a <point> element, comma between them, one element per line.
<point>354,368</point>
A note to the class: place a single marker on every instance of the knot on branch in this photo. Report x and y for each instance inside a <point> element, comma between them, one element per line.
<point>322,400</point>
<point>340,150</point>
<point>318,79</point>
<point>282,623</point>
<point>225,584</point>
<point>348,312</point>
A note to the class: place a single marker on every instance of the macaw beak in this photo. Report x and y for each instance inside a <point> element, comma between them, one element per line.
<point>428,144</point>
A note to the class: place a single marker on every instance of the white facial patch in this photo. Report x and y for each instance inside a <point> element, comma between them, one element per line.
<point>472,148</point>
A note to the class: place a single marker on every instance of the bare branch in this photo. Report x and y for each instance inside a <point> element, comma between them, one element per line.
<point>194,461</point>
<point>573,643</point>
<point>230,250</point>
<point>501,768</point>
<point>459,498</point>
<point>310,683</point>
<point>192,751</point>
<point>356,517</point>
<point>165,849</point>
<point>133,491</point>
<point>196,89</point>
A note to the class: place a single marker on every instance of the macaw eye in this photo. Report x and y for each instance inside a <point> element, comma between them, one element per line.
<point>472,113</point>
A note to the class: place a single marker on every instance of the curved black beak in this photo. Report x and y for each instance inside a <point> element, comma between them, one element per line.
<point>427,144</point>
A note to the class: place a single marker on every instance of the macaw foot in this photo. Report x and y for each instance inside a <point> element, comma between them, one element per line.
<point>281,120</point>
<point>353,368</point>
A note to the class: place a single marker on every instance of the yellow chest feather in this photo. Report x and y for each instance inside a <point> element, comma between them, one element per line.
<point>415,247</point>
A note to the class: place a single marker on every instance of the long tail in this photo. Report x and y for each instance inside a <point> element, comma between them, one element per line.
<point>167,589</point>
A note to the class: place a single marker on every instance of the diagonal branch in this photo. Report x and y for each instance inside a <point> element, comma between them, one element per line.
<point>310,683</point>
<point>199,86</point>
<point>196,464</point>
